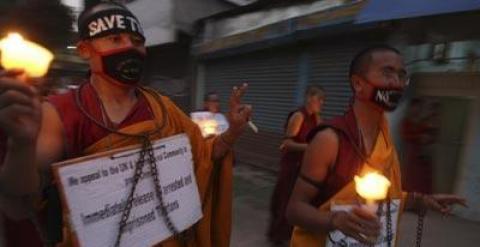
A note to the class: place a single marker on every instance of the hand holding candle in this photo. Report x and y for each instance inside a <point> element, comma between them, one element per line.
<point>18,53</point>
<point>20,108</point>
<point>372,187</point>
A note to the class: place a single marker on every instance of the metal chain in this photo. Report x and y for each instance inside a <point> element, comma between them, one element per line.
<point>420,224</point>
<point>158,190</point>
<point>129,203</point>
<point>147,149</point>
<point>389,222</point>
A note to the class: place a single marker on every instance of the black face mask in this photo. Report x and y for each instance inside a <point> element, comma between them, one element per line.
<point>387,99</point>
<point>124,66</point>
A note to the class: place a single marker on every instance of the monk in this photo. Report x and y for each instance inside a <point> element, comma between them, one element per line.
<point>108,111</point>
<point>416,134</point>
<point>299,123</point>
<point>354,144</point>
<point>211,103</point>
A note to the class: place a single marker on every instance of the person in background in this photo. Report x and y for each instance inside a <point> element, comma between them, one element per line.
<point>416,134</point>
<point>299,123</point>
<point>211,103</point>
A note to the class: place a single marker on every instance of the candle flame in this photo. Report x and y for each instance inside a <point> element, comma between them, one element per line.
<point>209,127</point>
<point>373,186</point>
<point>18,53</point>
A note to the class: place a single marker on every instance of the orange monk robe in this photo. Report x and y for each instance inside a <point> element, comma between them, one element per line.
<point>384,160</point>
<point>214,179</point>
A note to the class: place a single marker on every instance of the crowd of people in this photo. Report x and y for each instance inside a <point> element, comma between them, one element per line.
<point>111,109</point>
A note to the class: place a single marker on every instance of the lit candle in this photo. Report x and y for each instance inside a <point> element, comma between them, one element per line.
<point>372,187</point>
<point>18,53</point>
<point>209,127</point>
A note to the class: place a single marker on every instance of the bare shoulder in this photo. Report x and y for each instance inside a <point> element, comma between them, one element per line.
<point>296,117</point>
<point>321,153</point>
<point>295,121</point>
<point>51,118</point>
<point>326,138</point>
<point>49,110</point>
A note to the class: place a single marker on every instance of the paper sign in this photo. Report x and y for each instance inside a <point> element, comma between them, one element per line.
<point>340,240</point>
<point>94,191</point>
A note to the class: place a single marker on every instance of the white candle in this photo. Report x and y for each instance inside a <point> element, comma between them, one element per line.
<point>252,126</point>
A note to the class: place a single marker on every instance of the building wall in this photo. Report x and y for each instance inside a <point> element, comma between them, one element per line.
<point>168,26</point>
<point>186,12</point>
<point>466,171</point>
<point>170,71</point>
<point>254,20</point>
<point>456,78</point>
<point>419,60</point>
<point>460,56</point>
<point>157,19</point>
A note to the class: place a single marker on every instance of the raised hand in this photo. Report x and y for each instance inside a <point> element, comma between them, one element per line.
<point>239,114</point>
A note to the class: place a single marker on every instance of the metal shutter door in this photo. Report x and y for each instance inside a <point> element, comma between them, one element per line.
<point>272,76</point>
<point>329,69</point>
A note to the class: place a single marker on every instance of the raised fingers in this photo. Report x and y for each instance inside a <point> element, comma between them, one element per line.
<point>237,94</point>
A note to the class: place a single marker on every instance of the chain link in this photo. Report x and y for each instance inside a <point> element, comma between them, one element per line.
<point>147,150</point>
<point>389,222</point>
<point>158,190</point>
<point>420,224</point>
<point>128,206</point>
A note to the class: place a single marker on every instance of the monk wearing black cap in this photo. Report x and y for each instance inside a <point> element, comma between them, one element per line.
<point>110,110</point>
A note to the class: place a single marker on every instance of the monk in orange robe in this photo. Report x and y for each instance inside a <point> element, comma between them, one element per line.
<point>109,111</point>
<point>354,144</point>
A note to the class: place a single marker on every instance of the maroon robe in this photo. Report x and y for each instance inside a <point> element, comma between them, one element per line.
<point>280,230</point>
<point>17,233</point>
